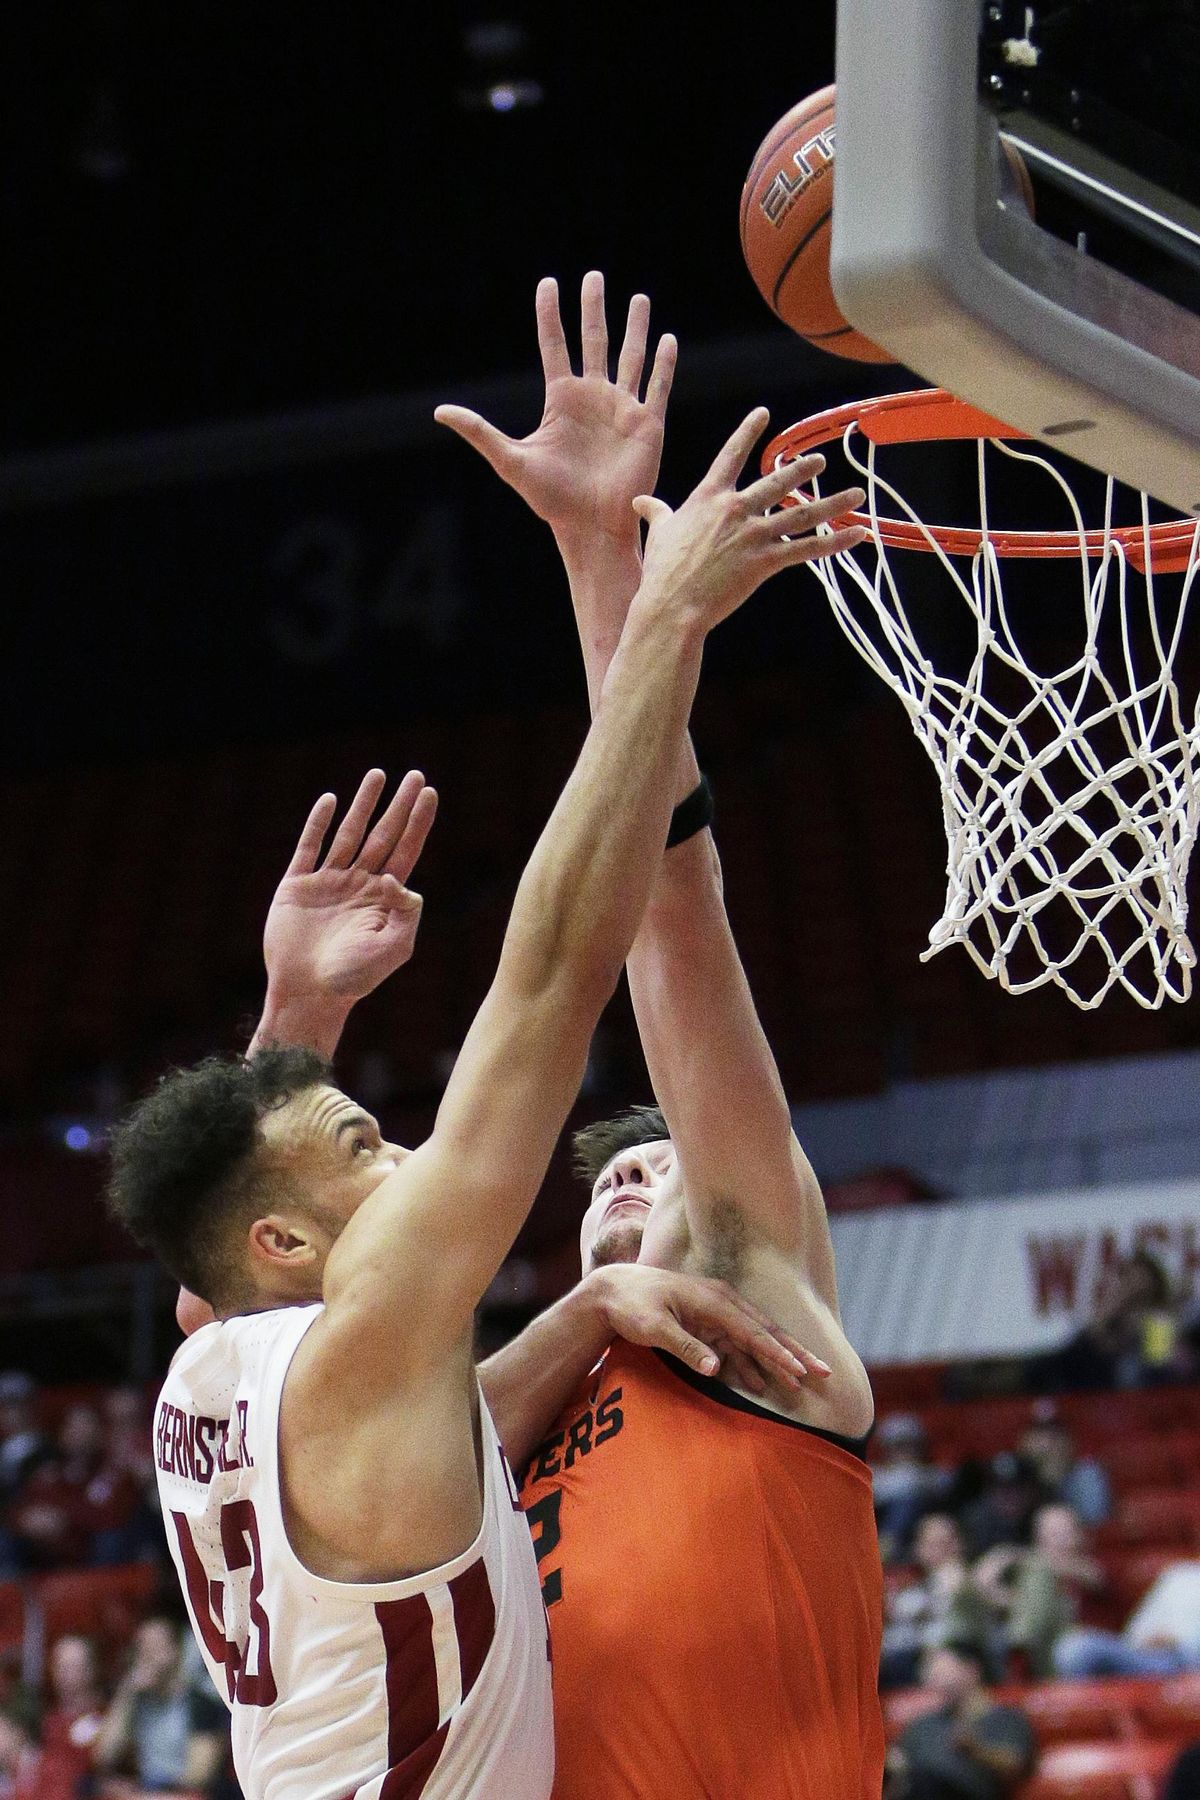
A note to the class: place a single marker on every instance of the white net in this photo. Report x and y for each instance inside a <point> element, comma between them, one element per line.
<point>1070,798</point>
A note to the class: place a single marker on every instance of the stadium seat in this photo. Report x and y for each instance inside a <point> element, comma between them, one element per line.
<point>105,1604</point>
<point>902,1705</point>
<point>1159,1516</point>
<point>1152,1459</point>
<point>1100,1771</point>
<point>12,1616</point>
<point>1063,1710</point>
<point>1130,1572</point>
<point>1171,1708</point>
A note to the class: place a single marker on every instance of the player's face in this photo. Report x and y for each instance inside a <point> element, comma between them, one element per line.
<point>330,1154</point>
<point>627,1191</point>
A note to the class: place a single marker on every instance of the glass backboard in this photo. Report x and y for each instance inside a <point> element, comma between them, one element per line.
<point>1082,327</point>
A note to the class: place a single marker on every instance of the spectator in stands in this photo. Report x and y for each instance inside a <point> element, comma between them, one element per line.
<point>1079,1482</point>
<point>77,1506</point>
<point>163,1728</point>
<point>1041,1592</point>
<point>942,1604</point>
<point>968,1749</point>
<point>1003,1512</point>
<point>26,1771</point>
<point>1131,1340</point>
<point>907,1483</point>
<point>72,1724</point>
<point>23,1444</point>
<point>1161,1637</point>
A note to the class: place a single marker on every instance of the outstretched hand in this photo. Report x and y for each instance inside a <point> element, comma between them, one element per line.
<point>599,443</point>
<point>724,541</point>
<point>339,927</point>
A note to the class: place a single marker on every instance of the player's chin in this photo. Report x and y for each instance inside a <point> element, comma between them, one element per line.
<point>618,1242</point>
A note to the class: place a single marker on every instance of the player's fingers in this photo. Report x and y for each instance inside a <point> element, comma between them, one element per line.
<point>793,521</point>
<point>772,488</point>
<point>388,828</point>
<point>691,1351</point>
<point>406,855</point>
<point>658,388</point>
<point>594,325</point>
<point>304,856</point>
<point>743,1371</point>
<point>492,445</point>
<point>552,339</point>
<point>818,547</point>
<point>349,834</point>
<point>647,507</point>
<point>731,457</point>
<point>632,359</point>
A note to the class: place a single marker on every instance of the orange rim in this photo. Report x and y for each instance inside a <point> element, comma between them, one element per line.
<point>931,415</point>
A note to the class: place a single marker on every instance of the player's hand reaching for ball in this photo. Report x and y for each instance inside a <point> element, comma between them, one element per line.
<point>724,541</point>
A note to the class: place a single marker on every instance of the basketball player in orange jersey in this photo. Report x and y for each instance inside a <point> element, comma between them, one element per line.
<point>708,1554</point>
<point>360,1581</point>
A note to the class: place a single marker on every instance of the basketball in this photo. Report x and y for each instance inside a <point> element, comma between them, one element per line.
<point>786,225</point>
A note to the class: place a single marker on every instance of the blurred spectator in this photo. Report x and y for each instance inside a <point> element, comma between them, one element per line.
<point>1003,1511</point>
<point>130,1439</point>
<point>1079,1482</point>
<point>163,1729</point>
<point>23,1444</point>
<point>1161,1637</point>
<point>942,1604</point>
<point>907,1483</point>
<point>968,1749</point>
<point>77,1506</point>
<point>1131,1340</point>
<point>71,1726</point>
<point>1043,1591</point>
<point>26,1771</point>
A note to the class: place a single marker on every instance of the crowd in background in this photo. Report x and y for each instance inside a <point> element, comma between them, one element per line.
<point>991,1577</point>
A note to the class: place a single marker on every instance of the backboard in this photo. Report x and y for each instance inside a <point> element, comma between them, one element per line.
<point>1083,328</point>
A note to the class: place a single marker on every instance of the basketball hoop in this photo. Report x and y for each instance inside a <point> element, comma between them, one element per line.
<point>1070,799</point>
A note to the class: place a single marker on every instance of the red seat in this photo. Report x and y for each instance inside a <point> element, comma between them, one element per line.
<point>12,1616</point>
<point>1171,1708</point>
<point>105,1604</point>
<point>1131,1571</point>
<point>1155,1459</point>
<point>1159,1516</point>
<point>1064,1710</point>
<point>1100,1771</point>
<point>902,1705</point>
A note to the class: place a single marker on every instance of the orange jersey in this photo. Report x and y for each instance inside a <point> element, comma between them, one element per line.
<point>712,1577</point>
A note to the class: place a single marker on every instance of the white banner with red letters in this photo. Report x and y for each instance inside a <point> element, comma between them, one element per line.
<point>982,1278</point>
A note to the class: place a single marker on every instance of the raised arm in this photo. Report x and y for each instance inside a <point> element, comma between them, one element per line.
<point>712,1069</point>
<point>411,1265</point>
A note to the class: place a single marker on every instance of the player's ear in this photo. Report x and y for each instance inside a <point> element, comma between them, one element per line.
<point>281,1245</point>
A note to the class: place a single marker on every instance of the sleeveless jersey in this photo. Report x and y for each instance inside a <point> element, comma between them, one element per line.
<point>712,1578</point>
<point>436,1686</point>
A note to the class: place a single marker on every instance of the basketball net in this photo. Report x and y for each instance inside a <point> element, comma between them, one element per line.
<point>1069,799</point>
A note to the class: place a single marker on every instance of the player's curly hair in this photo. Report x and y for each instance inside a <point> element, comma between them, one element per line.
<point>597,1144</point>
<point>184,1162</point>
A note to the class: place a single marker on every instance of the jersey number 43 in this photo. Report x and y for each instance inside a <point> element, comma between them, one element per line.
<point>247,1663</point>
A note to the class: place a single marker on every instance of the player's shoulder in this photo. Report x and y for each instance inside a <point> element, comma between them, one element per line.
<point>226,1351</point>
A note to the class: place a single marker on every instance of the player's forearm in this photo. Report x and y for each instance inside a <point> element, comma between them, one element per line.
<point>585,889</point>
<point>603,576</point>
<point>529,1381</point>
<point>315,1021</point>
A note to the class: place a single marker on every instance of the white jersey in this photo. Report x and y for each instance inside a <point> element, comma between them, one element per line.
<point>437,1686</point>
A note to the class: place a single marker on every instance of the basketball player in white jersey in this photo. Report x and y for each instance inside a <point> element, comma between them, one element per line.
<point>341,1516</point>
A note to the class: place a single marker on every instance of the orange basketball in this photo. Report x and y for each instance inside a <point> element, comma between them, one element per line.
<point>786,225</point>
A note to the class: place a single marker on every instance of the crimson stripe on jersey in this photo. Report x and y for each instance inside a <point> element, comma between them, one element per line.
<point>410,1675</point>
<point>474,1621</point>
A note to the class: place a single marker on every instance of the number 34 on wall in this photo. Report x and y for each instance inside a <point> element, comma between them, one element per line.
<point>247,1661</point>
